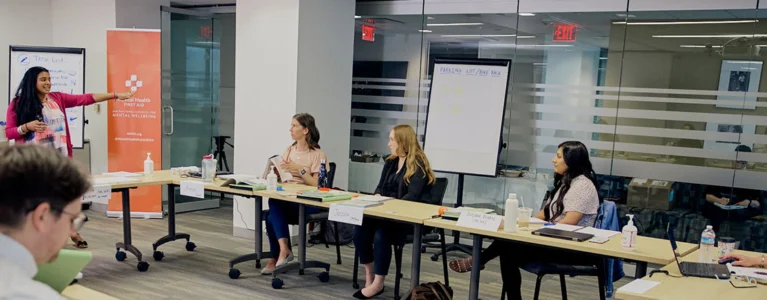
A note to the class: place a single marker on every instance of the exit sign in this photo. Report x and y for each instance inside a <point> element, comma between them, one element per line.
<point>368,33</point>
<point>564,33</point>
<point>206,31</point>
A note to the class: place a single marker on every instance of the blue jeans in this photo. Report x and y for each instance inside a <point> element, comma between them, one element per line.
<point>281,214</point>
<point>374,240</point>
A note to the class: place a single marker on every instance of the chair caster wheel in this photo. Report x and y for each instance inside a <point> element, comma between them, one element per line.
<point>434,258</point>
<point>190,246</point>
<point>234,273</point>
<point>142,266</point>
<point>158,255</point>
<point>120,255</point>
<point>356,286</point>
<point>324,277</point>
<point>277,283</point>
<point>423,249</point>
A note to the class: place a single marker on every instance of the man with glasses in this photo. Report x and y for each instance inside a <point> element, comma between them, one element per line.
<point>40,208</point>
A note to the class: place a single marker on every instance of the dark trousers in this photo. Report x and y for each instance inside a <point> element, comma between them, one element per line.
<point>514,256</point>
<point>282,214</point>
<point>374,240</point>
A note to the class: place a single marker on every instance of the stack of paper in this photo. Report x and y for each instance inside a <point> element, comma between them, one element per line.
<point>112,180</point>
<point>755,273</point>
<point>361,203</point>
<point>373,198</point>
<point>598,232</point>
<point>123,174</point>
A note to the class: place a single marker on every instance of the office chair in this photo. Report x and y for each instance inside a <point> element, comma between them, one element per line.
<point>542,269</point>
<point>437,193</point>
<point>323,216</point>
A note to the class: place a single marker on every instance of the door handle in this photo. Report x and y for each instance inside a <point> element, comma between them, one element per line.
<point>169,118</point>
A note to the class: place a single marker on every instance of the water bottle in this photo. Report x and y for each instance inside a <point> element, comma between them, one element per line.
<point>208,168</point>
<point>706,251</point>
<point>511,212</point>
<point>322,180</point>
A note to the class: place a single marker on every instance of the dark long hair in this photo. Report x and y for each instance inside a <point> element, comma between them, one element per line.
<point>576,157</point>
<point>27,104</point>
<point>313,136</point>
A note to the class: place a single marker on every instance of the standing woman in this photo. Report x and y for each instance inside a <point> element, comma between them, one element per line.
<point>38,116</point>
<point>406,175</point>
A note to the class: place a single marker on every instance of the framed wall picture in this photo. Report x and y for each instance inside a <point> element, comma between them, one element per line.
<point>739,83</point>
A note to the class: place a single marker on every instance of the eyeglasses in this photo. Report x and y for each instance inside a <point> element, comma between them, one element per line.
<point>78,221</point>
<point>741,281</point>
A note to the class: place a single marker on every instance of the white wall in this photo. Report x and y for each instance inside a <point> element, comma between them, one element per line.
<point>266,97</point>
<point>15,14</point>
<point>143,14</point>
<point>90,35</point>
<point>325,75</point>
<point>308,70</point>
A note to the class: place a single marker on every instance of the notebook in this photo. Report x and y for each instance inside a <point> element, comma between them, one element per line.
<point>60,273</point>
<point>325,196</point>
<point>373,198</point>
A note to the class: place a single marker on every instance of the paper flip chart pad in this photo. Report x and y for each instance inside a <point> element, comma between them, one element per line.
<point>480,221</point>
<point>193,189</point>
<point>346,214</point>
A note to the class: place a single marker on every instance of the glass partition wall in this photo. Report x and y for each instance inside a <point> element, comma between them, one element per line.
<point>669,98</point>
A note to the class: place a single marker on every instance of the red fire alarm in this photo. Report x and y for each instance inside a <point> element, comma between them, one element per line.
<point>564,33</point>
<point>368,33</point>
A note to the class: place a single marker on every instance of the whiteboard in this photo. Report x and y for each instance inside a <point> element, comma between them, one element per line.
<point>67,68</point>
<point>465,115</point>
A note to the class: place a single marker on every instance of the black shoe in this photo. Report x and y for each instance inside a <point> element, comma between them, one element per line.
<point>359,295</point>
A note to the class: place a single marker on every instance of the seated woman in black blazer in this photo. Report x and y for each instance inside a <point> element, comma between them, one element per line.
<point>406,176</point>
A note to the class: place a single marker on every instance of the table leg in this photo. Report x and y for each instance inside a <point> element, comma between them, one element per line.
<point>302,237</point>
<point>126,244</point>
<point>172,235</point>
<point>415,271</point>
<point>259,232</point>
<point>641,270</point>
<point>475,268</point>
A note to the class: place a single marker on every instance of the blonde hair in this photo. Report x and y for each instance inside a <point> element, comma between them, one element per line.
<point>407,143</point>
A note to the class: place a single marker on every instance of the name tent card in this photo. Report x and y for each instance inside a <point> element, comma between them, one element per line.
<point>99,193</point>
<point>193,189</point>
<point>480,221</point>
<point>346,214</point>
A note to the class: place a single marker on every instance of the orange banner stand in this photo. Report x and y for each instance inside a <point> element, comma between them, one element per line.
<point>134,125</point>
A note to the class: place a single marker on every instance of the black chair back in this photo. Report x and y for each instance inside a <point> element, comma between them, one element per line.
<point>438,191</point>
<point>331,174</point>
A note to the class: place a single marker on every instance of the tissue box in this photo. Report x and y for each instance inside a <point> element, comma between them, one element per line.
<point>650,193</point>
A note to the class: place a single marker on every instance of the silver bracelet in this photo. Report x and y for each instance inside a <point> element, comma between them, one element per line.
<point>762,264</point>
<point>19,130</point>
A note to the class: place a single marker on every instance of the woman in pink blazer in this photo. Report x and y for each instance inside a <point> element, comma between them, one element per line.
<point>38,116</point>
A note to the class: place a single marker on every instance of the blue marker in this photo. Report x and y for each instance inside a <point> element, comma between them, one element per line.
<point>280,188</point>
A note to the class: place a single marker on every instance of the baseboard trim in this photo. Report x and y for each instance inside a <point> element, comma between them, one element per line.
<point>136,214</point>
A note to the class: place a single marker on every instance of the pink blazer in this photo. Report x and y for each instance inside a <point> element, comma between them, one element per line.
<point>64,101</point>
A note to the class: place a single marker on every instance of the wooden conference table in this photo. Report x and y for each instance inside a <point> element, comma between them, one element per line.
<point>79,292</point>
<point>672,288</point>
<point>649,250</point>
<point>394,210</point>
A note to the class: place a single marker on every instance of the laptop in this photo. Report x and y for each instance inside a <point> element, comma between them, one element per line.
<point>696,269</point>
<point>60,273</point>
<point>563,234</point>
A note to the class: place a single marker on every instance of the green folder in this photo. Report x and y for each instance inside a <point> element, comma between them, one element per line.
<point>60,273</point>
<point>326,196</point>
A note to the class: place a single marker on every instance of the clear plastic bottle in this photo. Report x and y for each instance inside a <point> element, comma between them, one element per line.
<point>208,168</point>
<point>707,250</point>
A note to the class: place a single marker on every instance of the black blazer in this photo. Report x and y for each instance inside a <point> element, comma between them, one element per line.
<point>418,190</point>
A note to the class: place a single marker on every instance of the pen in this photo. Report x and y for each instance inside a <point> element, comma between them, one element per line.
<point>760,273</point>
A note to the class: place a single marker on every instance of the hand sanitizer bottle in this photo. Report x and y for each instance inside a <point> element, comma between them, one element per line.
<point>148,165</point>
<point>271,181</point>
<point>629,235</point>
<point>511,210</point>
